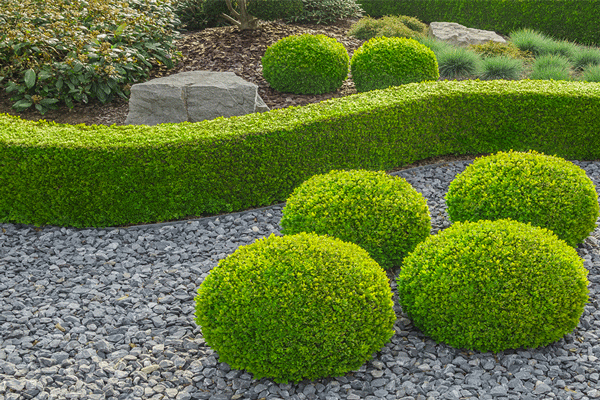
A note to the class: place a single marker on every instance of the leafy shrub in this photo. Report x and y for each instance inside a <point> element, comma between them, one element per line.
<point>591,73</point>
<point>71,51</point>
<point>382,214</point>
<point>500,67</point>
<point>530,41</point>
<point>458,63</point>
<point>551,66</point>
<point>295,307</point>
<point>585,57</point>
<point>326,11</point>
<point>388,26</point>
<point>494,49</point>
<point>383,62</point>
<point>200,14</point>
<point>545,191</point>
<point>493,285</point>
<point>306,64</point>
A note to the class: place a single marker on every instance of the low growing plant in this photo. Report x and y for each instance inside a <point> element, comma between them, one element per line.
<point>68,51</point>
<point>551,66</point>
<point>458,63</point>
<point>494,49</point>
<point>585,57</point>
<point>591,73</point>
<point>531,41</point>
<point>500,67</point>
<point>388,26</point>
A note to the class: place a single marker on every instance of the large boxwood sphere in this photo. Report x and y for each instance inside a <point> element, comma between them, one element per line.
<point>305,64</point>
<point>546,191</point>
<point>493,285</point>
<point>296,307</point>
<point>391,61</point>
<point>382,214</point>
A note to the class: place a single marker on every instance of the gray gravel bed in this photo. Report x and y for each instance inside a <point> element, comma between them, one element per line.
<point>108,314</point>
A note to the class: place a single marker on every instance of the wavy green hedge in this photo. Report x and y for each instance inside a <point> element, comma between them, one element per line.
<point>574,20</point>
<point>86,176</point>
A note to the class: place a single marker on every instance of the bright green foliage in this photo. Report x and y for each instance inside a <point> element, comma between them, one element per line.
<point>494,49</point>
<point>296,307</point>
<point>493,285</point>
<point>500,67</point>
<point>551,66</point>
<point>437,46</point>
<point>585,57</point>
<point>326,11</point>
<point>383,62</point>
<point>388,26</point>
<point>97,176</point>
<point>591,73</point>
<point>306,64</point>
<point>65,51</point>
<point>545,191</point>
<point>458,63</point>
<point>382,214</point>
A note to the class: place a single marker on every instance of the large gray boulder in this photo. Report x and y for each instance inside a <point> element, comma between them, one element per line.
<point>192,96</point>
<point>457,34</point>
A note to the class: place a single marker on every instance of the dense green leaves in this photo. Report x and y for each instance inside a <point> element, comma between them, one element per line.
<point>272,306</point>
<point>545,191</point>
<point>493,285</point>
<point>382,214</point>
<point>306,64</point>
<point>104,176</point>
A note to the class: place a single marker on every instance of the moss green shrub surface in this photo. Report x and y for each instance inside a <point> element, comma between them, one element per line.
<point>296,307</point>
<point>383,214</point>
<point>306,64</point>
<point>382,62</point>
<point>86,176</point>
<point>388,26</point>
<point>494,285</point>
<point>545,191</point>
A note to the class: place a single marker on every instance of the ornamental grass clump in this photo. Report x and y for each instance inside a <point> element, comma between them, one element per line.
<point>71,52</point>
<point>458,63</point>
<point>585,57</point>
<point>500,67</point>
<point>391,61</point>
<point>382,214</point>
<point>296,307</point>
<point>591,73</point>
<point>493,285</point>
<point>306,64</point>
<point>530,41</point>
<point>545,191</point>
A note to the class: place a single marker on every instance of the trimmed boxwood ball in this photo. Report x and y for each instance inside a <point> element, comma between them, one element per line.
<point>382,214</point>
<point>546,191</point>
<point>391,61</point>
<point>306,64</point>
<point>296,307</point>
<point>493,285</point>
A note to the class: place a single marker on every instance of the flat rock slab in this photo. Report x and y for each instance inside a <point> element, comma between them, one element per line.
<point>192,96</point>
<point>460,35</point>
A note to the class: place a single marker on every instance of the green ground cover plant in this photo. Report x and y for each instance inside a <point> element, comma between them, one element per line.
<point>500,67</point>
<point>388,26</point>
<point>71,52</point>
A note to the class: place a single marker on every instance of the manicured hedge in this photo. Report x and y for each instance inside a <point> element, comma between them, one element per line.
<point>87,176</point>
<point>574,20</point>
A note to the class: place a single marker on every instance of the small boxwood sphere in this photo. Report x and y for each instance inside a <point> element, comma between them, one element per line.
<point>546,191</point>
<point>296,307</point>
<point>391,61</point>
<point>493,285</point>
<point>306,64</point>
<point>382,214</point>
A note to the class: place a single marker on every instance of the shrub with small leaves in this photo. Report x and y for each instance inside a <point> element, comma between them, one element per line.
<point>545,191</point>
<point>383,62</point>
<point>384,215</point>
<point>495,49</point>
<point>75,51</point>
<point>296,307</point>
<point>306,64</point>
<point>326,11</point>
<point>388,26</point>
<point>494,285</point>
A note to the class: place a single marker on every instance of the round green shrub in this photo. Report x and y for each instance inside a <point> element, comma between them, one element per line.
<point>545,191</point>
<point>493,285</point>
<point>306,64</point>
<point>382,214</point>
<point>391,61</point>
<point>296,307</point>
<point>388,26</point>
